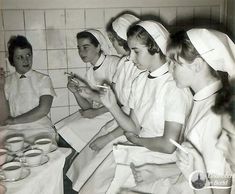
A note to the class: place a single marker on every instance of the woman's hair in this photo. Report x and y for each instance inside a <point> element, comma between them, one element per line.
<point>179,45</point>
<point>225,102</point>
<point>88,35</point>
<point>17,42</point>
<point>141,34</point>
<point>121,42</point>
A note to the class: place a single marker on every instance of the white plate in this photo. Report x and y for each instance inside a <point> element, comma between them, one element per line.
<point>25,173</point>
<point>44,160</point>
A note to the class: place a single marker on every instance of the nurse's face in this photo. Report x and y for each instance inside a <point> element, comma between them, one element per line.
<point>22,60</point>
<point>87,51</point>
<point>120,50</point>
<point>182,73</point>
<point>139,54</point>
<point>226,141</point>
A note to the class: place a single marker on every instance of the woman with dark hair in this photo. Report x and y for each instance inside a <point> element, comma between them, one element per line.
<point>79,128</point>
<point>29,93</point>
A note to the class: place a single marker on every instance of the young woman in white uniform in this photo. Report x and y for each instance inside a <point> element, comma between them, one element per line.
<point>152,47</point>
<point>196,56</point>
<point>29,94</point>
<point>79,128</point>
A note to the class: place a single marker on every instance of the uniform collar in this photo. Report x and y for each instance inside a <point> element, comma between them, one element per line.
<point>159,72</point>
<point>208,91</point>
<point>27,74</point>
<point>99,62</point>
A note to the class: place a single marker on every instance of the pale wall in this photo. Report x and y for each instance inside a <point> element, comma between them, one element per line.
<point>51,27</point>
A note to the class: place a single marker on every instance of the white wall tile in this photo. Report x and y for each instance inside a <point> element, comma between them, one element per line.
<point>13,20</point>
<point>94,18</point>
<point>215,15</point>
<point>55,19</point>
<point>1,20</point>
<point>155,12</point>
<point>8,34</point>
<point>168,15</point>
<point>75,18</point>
<point>71,38</point>
<point>55,39</point>
<point>73,109</point>
<point>113,12</point>
<point>202,15</point>
<point>2,42</point>
<point>61,98</point>
<point>58,113</point>
<point>34,19</point>
<point>37,38</point>
<point>39,59</point>
<point>57,59</point>
<point>58,78</point>
<point>74,60</point>
<point>185,15</point>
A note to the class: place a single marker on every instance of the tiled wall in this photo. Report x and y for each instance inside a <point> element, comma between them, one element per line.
<point>52,33</point>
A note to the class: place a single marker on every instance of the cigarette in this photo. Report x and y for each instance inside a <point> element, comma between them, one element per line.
<point>75,81</point>
<point>178,145</point>
<point>99,86</point>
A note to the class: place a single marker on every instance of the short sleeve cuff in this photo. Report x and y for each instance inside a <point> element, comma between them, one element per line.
<point>48,91</point>
<point>174,117</point>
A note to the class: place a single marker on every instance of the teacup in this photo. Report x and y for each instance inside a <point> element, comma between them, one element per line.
<point>44,144</point>
<point>15,143</point>
<point>12,170</point>
<point>33,157</point>
<point>3,156</point>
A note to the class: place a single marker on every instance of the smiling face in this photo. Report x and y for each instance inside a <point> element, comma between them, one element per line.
<point>87,51</point>
<point>22,60</point>
<point>139,54</point>
<point>226,141</point>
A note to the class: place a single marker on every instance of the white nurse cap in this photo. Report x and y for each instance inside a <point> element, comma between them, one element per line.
<point>215,47</point>
<point>122,23</point>
<point>101,39</point>
<point>158,32</point>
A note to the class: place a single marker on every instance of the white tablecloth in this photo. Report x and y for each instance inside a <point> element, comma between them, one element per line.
<point>45,179</point>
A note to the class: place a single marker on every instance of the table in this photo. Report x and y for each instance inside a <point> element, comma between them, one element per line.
<point>45,179</point>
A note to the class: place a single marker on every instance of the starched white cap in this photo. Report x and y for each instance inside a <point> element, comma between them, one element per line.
<point>158,32</point>
<point>215,47</point>
<point>101,39</point>
<point>122,23</point>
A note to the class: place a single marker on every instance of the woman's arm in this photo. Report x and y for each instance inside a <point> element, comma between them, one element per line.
<point>35,114</point>
<point>124,121</point>
<point>160,144</point>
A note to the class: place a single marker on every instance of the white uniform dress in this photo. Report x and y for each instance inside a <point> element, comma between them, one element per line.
<point>23,95</point>
<point>202,130</point>
<point>77,130</point>
<point>123,79</point>
<point>154,101</point>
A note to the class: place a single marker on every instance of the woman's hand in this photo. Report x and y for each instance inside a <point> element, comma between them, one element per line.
<point>188,163</point>
<point>133,138</point>
<point>72,86</point>
<point>89,113</point>
<point>100,142</point>
<point>88,93</point>
<point>108,97</point>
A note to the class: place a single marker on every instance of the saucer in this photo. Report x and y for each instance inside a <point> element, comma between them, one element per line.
<point>25,173</point>
<point>44,160</point>
<point>53,148</point>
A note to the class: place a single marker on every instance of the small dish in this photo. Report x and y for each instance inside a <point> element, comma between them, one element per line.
<point>25,173</point>
<point>44,160</point>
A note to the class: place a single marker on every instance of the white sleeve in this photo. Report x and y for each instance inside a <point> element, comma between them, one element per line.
<point>176,105</point>
<point>46,87</point>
